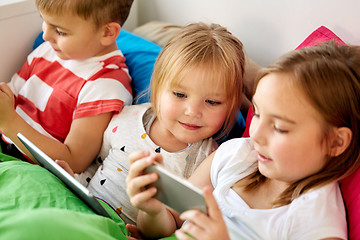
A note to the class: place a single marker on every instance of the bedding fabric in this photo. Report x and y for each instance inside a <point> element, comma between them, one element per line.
<point>350,189</point>
<point>52,223</point>
<point>31,209</point>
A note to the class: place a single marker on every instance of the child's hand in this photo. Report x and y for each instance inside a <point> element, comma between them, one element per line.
<point>65,166</point>
<point>134,232</point>
<point>202,226</point>
<point>7,101</point>
<point>140,196</point>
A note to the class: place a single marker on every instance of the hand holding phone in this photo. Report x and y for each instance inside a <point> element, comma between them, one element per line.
<point>176,192</point>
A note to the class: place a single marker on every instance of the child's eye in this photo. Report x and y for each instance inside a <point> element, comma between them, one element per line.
<point>255,114</point>
<point>60,33</point>
<point>280,130</point>
<point>179,95</point>
<point>211,102</point>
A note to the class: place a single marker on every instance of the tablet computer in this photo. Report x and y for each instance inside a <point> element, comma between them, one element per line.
<point>176,192</point>
<point>77,188</point>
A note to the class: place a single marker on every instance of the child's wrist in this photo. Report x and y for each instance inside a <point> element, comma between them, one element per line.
<point>9,125</point>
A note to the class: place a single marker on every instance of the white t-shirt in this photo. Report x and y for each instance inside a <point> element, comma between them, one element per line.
<point>317,214</point>
<point>126,133</point>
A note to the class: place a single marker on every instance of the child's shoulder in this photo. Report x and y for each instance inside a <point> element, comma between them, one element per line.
<point>232,146</point>
<point>44,50</point>
<point>131,111</point>
<point>136,108</point>
<point>235,155</point>
<point>329,192</point>
<point>321,211</point>
<point>325,199</point>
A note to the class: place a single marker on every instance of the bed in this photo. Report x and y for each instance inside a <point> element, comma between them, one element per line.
<point>55,212</point>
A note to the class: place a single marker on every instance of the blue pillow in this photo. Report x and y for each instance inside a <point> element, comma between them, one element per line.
<point>236,131</point>
<point>140,57</point>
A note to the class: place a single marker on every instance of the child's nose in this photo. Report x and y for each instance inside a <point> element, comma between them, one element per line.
<point>257,132</point>
<point>46,33</point>
<point>193,109</point>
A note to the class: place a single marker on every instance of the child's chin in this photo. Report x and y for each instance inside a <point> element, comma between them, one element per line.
<point>62,56</point>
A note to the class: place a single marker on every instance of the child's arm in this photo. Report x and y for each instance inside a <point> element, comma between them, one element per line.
<point>80,147</point>
<point>65,166</point>
<point>7,102</point>
<point>201,175</point>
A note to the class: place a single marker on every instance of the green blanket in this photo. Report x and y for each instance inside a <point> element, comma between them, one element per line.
<point>53,223</point>
<point>34,204</point>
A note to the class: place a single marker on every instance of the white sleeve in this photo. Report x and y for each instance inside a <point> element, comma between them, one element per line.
<point>234,158</point>
<point>318,214</point>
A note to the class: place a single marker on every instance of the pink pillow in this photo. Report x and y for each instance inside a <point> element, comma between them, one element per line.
<point>249,116</point>
<point>322,34</point>
<point>350,187</point>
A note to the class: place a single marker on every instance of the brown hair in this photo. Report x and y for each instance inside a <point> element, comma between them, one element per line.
<point>99,11</point>
<point>211,47</point>
<point>329,77</point>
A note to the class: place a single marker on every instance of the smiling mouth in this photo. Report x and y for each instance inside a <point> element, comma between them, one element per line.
<point>189,126</point>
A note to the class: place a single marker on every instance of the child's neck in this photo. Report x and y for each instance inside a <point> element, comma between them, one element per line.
<point>107,49</point>
<point>261,197</point>
<point>164,139</point>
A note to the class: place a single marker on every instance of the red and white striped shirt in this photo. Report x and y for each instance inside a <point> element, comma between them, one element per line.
<point>51,92</point>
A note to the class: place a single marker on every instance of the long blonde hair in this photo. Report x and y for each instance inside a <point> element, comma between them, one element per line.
<point>211,47</point>
<point>329,77</point>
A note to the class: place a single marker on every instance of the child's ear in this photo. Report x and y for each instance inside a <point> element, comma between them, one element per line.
<point>110,33</point>
<point>341,141</point>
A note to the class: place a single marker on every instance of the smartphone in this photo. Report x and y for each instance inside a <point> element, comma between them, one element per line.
<point>176,192</point>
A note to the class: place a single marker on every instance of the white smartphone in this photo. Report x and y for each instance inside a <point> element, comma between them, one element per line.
<point>176,192</point>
